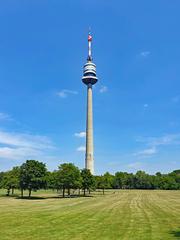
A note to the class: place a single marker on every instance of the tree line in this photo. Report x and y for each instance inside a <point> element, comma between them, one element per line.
<point>33,175</point>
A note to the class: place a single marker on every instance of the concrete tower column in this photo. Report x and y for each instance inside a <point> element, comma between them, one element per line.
<point>89,131</point>
<point>89,78</point>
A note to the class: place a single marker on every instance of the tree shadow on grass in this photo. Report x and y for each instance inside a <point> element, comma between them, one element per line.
<point>71,196</point>
<point>50,197</point>
<point>10,196</point>
<point>175,233</point>
<point>31,198</point>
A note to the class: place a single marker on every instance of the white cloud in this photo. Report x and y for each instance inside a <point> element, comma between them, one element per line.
<point>80,134</point>
<point>153,144</point>
<point>146,152</point>
<point>81,149</point>
<point>18,153</point>
<point>145,53</point>
<point>169,139</point>
<point>65,92</point>
<point>5,116</point>
<point>24,140</point>
<point>22,146</point>
<point>135,165</point>
<point>103,89</point>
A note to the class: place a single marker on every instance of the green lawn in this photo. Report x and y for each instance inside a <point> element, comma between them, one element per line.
<point>124,215</point>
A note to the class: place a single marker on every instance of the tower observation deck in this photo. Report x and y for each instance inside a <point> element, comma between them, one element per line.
<point>89,78</point>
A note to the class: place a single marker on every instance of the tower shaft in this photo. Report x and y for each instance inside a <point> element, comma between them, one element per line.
<point>89,160</point>
<point>89,78</point>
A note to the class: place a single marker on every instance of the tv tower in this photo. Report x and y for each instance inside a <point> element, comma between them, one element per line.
<point>89,78</point>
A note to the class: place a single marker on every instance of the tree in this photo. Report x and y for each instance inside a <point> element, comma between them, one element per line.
<point>6,182</point>
<point>121,180</point>
<point>108,179</point>
<point>142,180</point>
<point>104,181</point>
<point>15,178</point>
<point>68,177</point>
<point>10,180</point>
<point>1,179</point>
<point>101,183</point>
<point>167,182</point>
<point>176,175</point>
<point>32,176</point>
<point>51,180</point>
<point>88,180</point>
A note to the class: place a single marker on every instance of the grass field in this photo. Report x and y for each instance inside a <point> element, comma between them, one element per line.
<point>124,215</point>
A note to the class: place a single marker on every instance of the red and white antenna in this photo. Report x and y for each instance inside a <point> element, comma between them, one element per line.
<point>89,46</point>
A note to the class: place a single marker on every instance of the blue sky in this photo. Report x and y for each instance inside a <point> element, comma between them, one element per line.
<point>43,47</point>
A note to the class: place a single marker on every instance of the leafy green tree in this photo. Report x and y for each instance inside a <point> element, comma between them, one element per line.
<point>6,182</point>
<point>1,179</point>
<point>104,181</point>
<point>32,176</point>
<point>121,180</point>
<point>142,180</point>
<point>15,172</point>
<point>158,174</point>
<point>130,182</point>
<point>88,180</point>
<point>51,180</point>
<point>167,182</point>
<point>108,179</point>
<point>101,183</point>
<point>10,180</point>
<point>176,176</point>
<point>68,177</point>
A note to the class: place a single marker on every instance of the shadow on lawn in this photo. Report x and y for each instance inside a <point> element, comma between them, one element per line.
<point>50,197</point>
<point>10,196</point>
<point>30,198</point>
<point>72,196</point>
<point>175,233</point>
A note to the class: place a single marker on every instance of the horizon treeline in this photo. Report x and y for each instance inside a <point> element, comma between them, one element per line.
<point>68,179</point>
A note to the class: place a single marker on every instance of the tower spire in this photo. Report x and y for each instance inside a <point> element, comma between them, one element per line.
<point>89,46</point>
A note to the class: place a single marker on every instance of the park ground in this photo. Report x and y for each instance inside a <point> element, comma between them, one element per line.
<point>118,215</point>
